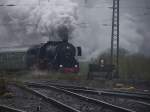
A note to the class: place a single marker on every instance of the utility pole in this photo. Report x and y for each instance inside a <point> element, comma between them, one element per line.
<point>115,37</point>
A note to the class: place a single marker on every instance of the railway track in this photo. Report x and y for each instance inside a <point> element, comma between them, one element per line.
<point>4,108</point>
<point>108,92</point>
<point>113,93</point>
<point>89,88</point>
<point>75,99</point>
<point>56,103</point>
<point>138,97</point>
<point>29,100</point>
<point>97,103</point>
<point>134,99</point>
<point>142,100</point>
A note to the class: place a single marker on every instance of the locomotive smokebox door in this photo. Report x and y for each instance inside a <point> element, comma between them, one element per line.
<point>79,51</point>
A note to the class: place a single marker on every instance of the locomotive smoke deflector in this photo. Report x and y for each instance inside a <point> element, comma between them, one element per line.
<point>79,51</point>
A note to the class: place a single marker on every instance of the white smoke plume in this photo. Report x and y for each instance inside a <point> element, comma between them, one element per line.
<point>32,21</point>
<point>129,37</point>
<point>89,21</point>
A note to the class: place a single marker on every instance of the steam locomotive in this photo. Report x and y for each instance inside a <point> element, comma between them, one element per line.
<point>54,55</point>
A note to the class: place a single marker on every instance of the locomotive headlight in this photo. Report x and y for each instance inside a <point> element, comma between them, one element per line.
<point>76,66</point>
<point>60,66</point>
<point>68,47</point>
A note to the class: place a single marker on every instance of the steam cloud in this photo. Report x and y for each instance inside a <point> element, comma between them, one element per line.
<point>90,25</point>
<point>32,21</point>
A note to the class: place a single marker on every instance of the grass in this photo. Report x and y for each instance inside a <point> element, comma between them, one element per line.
<point>79,78</point>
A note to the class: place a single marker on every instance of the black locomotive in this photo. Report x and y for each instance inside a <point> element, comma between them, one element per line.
<point>54,55</point>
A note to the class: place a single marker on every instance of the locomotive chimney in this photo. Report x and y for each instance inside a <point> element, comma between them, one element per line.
<point>63,33</point>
